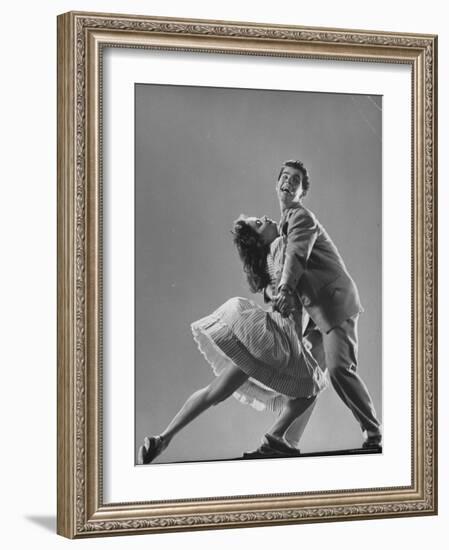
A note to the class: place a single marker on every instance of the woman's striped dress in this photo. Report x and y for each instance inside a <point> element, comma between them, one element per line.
<point>263,344</point>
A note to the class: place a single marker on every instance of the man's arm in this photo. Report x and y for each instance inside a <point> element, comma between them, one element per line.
<point>302,232</point>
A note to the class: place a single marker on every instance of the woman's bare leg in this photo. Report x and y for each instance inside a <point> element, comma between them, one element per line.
<point>296,408</point>
<point>296,429</point>
<point>218,390</point>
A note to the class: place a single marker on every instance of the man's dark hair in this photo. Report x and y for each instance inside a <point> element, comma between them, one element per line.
<point>298,165</point>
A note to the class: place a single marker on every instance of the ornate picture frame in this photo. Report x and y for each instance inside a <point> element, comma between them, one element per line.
<point>82,40</point>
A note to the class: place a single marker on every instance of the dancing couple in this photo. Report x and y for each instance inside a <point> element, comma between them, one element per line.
<point>282,359</point>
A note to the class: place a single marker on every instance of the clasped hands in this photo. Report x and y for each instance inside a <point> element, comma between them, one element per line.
<point>284,301</point>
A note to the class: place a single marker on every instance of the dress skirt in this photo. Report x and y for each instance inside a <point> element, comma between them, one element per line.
<point>265,346</point>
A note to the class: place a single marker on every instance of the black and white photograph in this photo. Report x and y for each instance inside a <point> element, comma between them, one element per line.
<point>223,241</point>
<point>258,274</point>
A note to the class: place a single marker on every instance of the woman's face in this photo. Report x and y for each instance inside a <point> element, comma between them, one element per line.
<point>265,227</point>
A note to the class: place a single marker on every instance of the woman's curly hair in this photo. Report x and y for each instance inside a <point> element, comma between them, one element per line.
<point>253,253</point>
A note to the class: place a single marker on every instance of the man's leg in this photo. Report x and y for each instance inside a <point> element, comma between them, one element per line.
<point>340,347</point>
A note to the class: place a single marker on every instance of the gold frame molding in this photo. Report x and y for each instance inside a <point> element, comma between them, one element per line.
<point>81,37</point>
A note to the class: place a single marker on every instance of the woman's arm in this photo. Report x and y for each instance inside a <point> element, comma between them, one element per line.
<point>268,294</point>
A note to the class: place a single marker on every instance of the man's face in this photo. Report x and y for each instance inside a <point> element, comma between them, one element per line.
<point>289,187</point>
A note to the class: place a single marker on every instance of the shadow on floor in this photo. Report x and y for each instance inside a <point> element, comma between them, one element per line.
<point>46,522</point>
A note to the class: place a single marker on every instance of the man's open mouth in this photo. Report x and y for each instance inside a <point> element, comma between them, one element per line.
<point>286,191</point>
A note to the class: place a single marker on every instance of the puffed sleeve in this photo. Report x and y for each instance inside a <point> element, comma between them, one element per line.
<point>302,231</point>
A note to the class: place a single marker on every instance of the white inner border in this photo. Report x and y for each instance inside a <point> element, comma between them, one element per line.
<point>124,482</point>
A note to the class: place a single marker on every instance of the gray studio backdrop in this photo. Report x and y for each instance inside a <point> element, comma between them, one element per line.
<point>203,156</point>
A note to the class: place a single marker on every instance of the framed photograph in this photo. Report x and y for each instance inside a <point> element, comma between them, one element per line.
<point>246,274</point>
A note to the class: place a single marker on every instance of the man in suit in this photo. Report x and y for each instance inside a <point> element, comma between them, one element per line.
<point>314,272</point>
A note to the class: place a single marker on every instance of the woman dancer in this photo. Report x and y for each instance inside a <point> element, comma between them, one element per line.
<point>255,354</point>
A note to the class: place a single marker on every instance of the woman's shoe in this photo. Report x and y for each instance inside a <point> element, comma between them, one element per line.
<point>373,442</point>
<point>272,447</point>
<point>151,448</point>
<point>281,446</point>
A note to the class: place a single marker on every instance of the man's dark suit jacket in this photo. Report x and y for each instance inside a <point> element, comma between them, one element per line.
<point>314,268</point>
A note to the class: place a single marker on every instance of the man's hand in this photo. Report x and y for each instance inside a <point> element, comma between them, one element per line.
<point>284,302</point>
